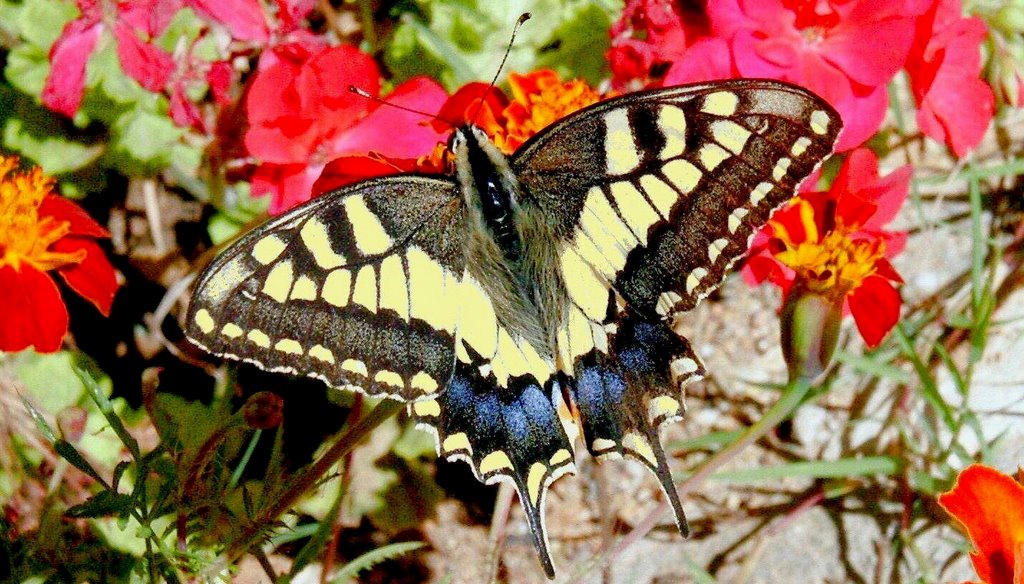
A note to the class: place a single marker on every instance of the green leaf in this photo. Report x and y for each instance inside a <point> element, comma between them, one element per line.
<point>370,559</point>
<point>27,68</point>
<point>143,142</point>
<point>73,456</point>
<point>40,22</point>
<point>846,467</point>
<point>104,504</point>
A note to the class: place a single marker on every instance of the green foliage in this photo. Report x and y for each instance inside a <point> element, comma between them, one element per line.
<point>463,41</point>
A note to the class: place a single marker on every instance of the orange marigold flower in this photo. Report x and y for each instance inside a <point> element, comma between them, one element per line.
<point>538,100</point>
<point>833,244</point>
<point>42,232</point>
<point>990,507</point>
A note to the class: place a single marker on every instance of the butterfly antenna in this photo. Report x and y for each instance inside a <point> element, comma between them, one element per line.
<point>367,95</point>
<point>511,41</point>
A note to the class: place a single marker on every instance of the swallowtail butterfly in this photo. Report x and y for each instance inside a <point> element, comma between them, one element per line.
<point>525,300</point>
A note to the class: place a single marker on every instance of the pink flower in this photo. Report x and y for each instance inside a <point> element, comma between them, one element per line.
<point>844,50</point>
<point>148,64</point>
<point>955,105</point>
<point>295,132</point>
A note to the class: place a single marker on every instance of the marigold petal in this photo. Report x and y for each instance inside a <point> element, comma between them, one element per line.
<point>79,222</point>
<point>34,313</point>
<point>990,506</point>
<point>875,306</point>
<point>93,278</point>
<point>458,109</point>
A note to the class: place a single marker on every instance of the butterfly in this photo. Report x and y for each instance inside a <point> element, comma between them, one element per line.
<point>524,303</point>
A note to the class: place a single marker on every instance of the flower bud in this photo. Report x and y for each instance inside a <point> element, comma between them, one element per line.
<point>263,410</point>
<point>810,331</point>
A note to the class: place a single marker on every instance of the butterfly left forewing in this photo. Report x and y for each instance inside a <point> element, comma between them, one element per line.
<point>357,288</point>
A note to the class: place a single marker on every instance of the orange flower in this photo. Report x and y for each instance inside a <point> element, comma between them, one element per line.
<point>41,232</point>
<point>539,99</point>
<point>990,506</point>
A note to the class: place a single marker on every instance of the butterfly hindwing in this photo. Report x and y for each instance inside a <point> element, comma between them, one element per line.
<point>357,287</point>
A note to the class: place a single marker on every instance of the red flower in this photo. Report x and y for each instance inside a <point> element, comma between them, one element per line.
<point>40,232</point>
<point>649,34</point>
<point>844,50</point>
<point>955,105</point>
<point>302,115</point>
<point>538,99</point>
<point>832,243</point>
<point>990,506</point>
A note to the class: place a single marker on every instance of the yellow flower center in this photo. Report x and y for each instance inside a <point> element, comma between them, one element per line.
<point>538,100</point>
<point>830,263</point>
<point>24,236</point>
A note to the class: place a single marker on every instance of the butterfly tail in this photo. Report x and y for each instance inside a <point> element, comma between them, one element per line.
<point>510,433</point>
<point>625,394</point>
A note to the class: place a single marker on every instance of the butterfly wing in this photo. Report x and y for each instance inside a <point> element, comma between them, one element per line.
<point>358,287</point>
<point>653,195</point>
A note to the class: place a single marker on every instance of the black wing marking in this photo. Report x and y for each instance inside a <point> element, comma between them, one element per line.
<point>357,287</point>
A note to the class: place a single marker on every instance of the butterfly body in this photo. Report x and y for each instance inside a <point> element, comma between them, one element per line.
<point>526,301</point>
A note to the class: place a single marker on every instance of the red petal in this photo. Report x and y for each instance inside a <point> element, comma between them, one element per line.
<point>219,77</point>
<point>68,56</point>
<point>148,64</point>
<point>80,222</point>
<point>34,313</point>
<point>287,184</point>
<point>244,18</point>
<point>875,306</point>
<point>990,505</point>
<point>461,105</point>
<point>93,278</point>
<point>347,170</point>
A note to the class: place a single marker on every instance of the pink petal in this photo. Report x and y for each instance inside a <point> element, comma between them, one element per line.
<point>291,13</point>
<point>219,78</point>
<point>244,18</point>
<point>875,62</point>
<point>706,60</point>
<point>395,133</point>
<point>862,116</point>
<point>184,112</point>
<point>93,278</point>
<point>148,16</point>
<point>34,313</point>
<point>148,64</point>
<point>68,56</point>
